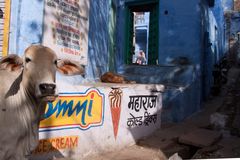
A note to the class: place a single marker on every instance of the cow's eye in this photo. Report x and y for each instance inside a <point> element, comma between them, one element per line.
<point>55,62</point>
<point>27,59</point>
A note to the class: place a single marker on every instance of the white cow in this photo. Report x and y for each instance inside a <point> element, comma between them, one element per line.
<point>26,85</point>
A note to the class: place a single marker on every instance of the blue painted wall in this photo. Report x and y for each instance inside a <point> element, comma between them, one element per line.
<point>182,33</point>
<point>215,26</point>
<point>98,38</point>
<point>191,30</point>
<point>179,30</point>
<point>220,7</point>
<point>179,36</point>
<point>27,27</point>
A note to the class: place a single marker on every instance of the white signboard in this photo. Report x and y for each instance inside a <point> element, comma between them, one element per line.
<point>66,24</point>
<point>88,119</point>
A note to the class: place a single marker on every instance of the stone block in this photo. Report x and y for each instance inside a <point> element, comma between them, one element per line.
<point>175,131</point>
<point>200,137</point>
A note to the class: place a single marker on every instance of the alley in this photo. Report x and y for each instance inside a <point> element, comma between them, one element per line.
<point>213,132</point>
<point>146,79</point>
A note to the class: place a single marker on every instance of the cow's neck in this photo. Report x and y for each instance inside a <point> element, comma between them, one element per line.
<point>21,99</point>
<point>37,106</point>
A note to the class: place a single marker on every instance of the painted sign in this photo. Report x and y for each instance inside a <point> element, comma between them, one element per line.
<point>115,99</point>
<point>142,103</point>
<point>74,123</point>
<point>74,110</point>
<point>57,143</point>
<point>66,24</point>
<point>5,7</point>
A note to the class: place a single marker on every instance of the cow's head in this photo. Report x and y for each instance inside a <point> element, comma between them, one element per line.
<point>39,65</point>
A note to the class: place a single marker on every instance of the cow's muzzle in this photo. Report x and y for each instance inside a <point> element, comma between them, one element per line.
<point>48,91</point>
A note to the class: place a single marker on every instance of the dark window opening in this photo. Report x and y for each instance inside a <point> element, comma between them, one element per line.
<point>142,34</point>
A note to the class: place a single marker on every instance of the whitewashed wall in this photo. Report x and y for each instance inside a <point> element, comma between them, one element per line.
<point>70,137</point>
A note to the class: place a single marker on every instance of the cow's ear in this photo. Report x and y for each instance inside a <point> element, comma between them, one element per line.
<point>11,62</point>
<point>69,67</point>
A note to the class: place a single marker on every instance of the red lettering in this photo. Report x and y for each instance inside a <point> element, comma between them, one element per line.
<point>44,147</point>
<point>67,143</point>
<point>74,143</point>
<point>68,50</point>
<point>57,144</point>
<point>50,145</point>
<point>62,144</point>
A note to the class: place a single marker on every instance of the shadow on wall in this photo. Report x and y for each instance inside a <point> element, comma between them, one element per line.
<point>142,122</point>
<point>143,118</point>
<point>97,62</point>
<point>155,140</point>
<point>181,79</point>
<point>98,38</point>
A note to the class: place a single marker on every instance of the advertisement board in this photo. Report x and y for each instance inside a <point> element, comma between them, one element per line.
<point>87,119</point>
<point>66,24</point>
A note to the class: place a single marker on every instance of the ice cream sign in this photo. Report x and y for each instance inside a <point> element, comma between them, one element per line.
<point>74,110</point>
<point>115,99</point>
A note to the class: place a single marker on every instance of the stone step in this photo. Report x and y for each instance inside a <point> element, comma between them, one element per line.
<point>200,137</point>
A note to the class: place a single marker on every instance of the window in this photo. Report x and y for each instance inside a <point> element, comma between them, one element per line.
<point>141,33</point>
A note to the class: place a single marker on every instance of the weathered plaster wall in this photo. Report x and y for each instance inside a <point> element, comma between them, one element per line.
<point>218,10</point>
<point>179,25</point>
<point>179,36</point>
<point>27,28</point>
<point>98,118</point>
<point>215,43</point>
<point>208,55</point>
<point>182,33</point>
<point>80,124</point>
<point>179,30</point>
<point>192,30</point>
<point>183,25</point>
<point>98,49</point>
<point>25,24</point>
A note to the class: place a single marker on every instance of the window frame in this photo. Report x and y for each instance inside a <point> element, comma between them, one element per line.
<point>141,6</point>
